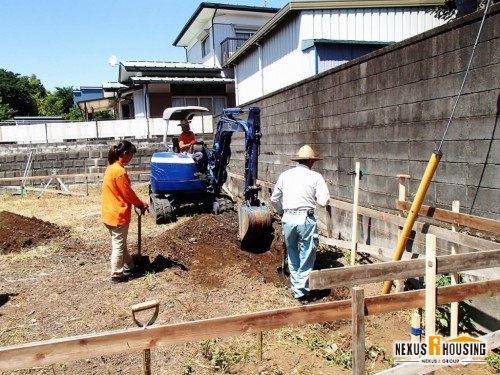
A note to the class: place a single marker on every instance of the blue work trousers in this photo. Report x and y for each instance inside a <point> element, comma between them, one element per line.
<point>301,240</point>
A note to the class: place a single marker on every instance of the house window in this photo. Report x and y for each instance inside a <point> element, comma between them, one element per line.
<point>205,47</point>
<point>244,34</point>
<point>214,104</point>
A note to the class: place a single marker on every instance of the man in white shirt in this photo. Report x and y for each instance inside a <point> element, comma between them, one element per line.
<point>295,196</point>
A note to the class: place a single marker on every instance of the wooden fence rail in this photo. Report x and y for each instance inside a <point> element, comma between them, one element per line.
<point>135,339</point>
<point>472,221</point>
<point>443,233</point>
<point>403,269</point>
<point>31,178</point>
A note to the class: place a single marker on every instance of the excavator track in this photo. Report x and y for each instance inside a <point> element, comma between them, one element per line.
<point>161,208</point>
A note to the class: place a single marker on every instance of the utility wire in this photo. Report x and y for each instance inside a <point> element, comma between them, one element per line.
<point>466,73</point>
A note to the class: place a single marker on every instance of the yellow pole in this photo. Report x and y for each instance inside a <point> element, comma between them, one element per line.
<point>415,207</point>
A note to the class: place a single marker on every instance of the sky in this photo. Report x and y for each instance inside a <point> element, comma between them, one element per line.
<point>69,42</point>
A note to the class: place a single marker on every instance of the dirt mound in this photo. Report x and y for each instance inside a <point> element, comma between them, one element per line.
<point>20,232</point>
<point>209,245</point>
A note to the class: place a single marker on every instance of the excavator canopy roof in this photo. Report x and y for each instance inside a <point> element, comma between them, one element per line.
<point>183,113</point>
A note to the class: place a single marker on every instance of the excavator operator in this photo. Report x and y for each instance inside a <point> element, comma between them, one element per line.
<point>186,138</point>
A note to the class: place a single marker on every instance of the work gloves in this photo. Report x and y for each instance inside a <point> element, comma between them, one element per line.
<point>144,208</point>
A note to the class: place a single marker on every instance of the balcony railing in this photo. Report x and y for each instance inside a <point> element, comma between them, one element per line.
<point>228,47</point>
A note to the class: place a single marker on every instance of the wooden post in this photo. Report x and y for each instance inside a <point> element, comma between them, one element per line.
<point>400,285</point>
<point>416,329</point>
<point>402,186</point>
<point>354,243</point>
<point>455,207</point>
<point>259,345</point>
<point>329,222</point>
<point>358,331</point>
<point>430,285</point>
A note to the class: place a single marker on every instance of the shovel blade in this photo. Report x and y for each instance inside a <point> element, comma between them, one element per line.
<point>141,260</point>
<point>254,223</point>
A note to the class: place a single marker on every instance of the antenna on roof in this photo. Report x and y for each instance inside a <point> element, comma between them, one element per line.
<point>112,60</point>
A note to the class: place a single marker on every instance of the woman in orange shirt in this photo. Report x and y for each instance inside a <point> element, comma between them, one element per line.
<point>118,197</point>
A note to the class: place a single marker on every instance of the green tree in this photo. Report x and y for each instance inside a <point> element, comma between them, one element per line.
<point>58,103</point>
<point>6,113</point>
<point>74,114</point>
<point>37,91</point>
<point>451,9</point>
<point>16,92</point>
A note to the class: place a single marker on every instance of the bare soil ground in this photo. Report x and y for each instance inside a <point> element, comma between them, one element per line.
<point>55,282</point>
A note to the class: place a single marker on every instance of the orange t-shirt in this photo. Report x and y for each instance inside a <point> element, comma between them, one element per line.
<point>117,196</point>
<point>185,139</point>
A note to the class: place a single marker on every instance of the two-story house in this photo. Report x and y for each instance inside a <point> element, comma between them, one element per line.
<point>236,53</point>
<point>308,37</point>
<point>145,88</point>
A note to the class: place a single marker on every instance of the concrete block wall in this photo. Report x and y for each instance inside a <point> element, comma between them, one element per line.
<point>72,159</point>
<point>389,110</point>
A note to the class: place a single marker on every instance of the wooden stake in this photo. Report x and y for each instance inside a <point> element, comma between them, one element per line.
<point>400,285</point>
<point>358,331</point>
<point>329,222</point>
<point>430,285</point>
<point>354,243</point>
<point>416,329</point>
<point>259,345</point>
<point>455,207</point>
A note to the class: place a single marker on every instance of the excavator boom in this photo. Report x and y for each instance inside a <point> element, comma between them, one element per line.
<point>254,218</point>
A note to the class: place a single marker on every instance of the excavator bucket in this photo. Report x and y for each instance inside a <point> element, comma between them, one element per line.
<point>254,224</point>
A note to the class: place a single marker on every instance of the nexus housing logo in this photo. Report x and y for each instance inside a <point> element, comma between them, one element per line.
<point>437,350</point>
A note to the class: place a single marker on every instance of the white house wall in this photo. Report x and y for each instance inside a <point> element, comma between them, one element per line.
<point>223,27</point>
<point>249,82</point>
<point>284,63</point>
<point>221,31</point>
<point>117,129</point>
<point>370,24</point>
<point>139,105</point>
<point>194,52</point>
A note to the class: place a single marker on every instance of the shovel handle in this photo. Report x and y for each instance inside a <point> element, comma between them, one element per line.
<point>139,213</point>
<point>154,304</point>
<point>145,305</point>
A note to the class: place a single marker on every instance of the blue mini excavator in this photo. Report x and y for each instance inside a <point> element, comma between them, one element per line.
<point>197,178</point>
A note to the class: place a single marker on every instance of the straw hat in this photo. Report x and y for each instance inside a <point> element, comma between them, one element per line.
<point>306,153</point>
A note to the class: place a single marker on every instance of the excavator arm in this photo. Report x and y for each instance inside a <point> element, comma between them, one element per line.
<point>254,217</point>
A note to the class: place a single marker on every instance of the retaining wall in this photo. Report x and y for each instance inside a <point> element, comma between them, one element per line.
<point>73,158</point>
<point>389,111</point>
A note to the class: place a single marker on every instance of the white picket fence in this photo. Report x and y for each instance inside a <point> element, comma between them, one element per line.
<point>117,129</point>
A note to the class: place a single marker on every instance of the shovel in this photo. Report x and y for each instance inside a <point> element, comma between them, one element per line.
<point>139,259</point>
<point>283,271</point>
<point>146,353</point>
